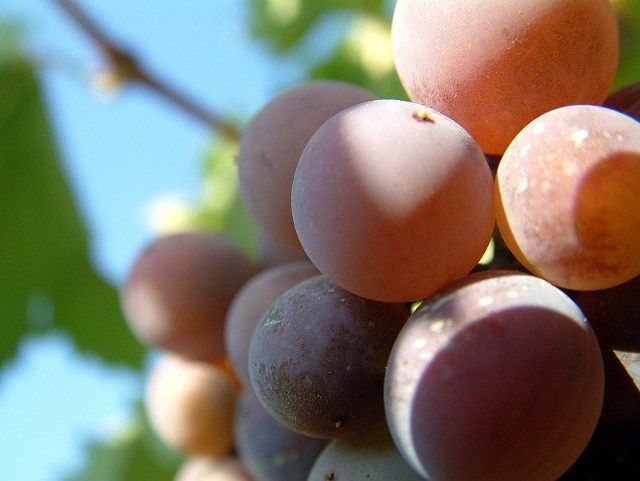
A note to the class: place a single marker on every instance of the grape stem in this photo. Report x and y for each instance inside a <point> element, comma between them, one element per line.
<point>127,68</point>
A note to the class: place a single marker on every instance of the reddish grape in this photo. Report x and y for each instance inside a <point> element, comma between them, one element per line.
<point>494,66</point>
<point>317,358</point>
<point>497,377</point>
<point>568,197</point>
<point>272,143</point>
<point>177,293</point>
<point>392,200</point>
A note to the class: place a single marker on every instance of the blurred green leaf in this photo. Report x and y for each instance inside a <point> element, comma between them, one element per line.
<point>46,280</point>
<point>136,454</point>
<point>282,24</point>
<point>629,23</point>
<point>221,208</point>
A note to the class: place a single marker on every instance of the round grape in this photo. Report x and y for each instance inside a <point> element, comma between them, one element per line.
<point>494,66</point>
<point>250,304</point>
<point>317,358</point>
<point>497,377</point>
<point>271,146</point>
<point>392,200</point>
<point>568,197</point>
<point>177,293</point>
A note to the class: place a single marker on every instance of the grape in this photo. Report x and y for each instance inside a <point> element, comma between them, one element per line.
<point>317,358</point>
<point>494,66</point>
<point>250,304</point>
<point>212,469</point>
<point>568,197</point>
<point>497,377</point>
<point>270,450</point>
<point>272,253</point>
<point>392,200</point>
<point>271,145</point>
<point>190,406</point>
<point>369,456</point>
<point>177,293</point>
<point>626,100</point>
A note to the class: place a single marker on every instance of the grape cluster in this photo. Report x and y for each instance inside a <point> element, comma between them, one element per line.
<point>443,283</point>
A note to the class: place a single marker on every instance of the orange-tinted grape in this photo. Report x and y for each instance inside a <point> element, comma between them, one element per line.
<point>177,293</point>
<point>212,469</point>
<point>494,66</point>
<point>271,145</point>
<point>392,200</point>
<point>190,405</point>
<point>497,377</point>
<point>568,197</point>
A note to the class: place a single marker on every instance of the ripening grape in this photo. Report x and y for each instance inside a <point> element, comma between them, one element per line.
<point>392,200</point>
<point>269,450</point>
<point>176,295</point>
<point>250,304</point>
<point>368,456</point>
<point>493,66</point>
<point>626,100</point>
<point>271,145</point>
<point>212,469</point>
<point>317,358</point>
<point>495,378</point>
<point>190,405</point>
<point>568,197</point>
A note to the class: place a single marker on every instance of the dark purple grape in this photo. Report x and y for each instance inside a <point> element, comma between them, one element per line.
<point>317,358</point>
<point>270,450</point>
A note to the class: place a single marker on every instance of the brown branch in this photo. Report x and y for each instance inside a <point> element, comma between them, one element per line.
<point>128,68</point>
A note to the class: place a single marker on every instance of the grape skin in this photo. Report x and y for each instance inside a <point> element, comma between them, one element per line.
<point>190,406</point>
<point>567,197</point>
<point>271,145</point>
<point>270,450</point>
<point>497,377</point>
<point>369,456</point>
<point>212,469</point>
<point>392,200</point>
<point>176,295</point>
<point>250,304</point>
<point>317,358</point>
<point>494,66</point>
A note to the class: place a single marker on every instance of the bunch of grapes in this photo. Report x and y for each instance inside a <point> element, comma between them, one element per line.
<point>445,284</point>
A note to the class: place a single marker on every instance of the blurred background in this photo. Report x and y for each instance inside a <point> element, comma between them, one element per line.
<point>93,167</point>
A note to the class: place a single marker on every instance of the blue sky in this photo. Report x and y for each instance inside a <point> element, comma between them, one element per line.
<point>120,153</point>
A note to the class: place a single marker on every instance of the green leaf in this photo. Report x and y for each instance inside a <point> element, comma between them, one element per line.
<point>46,280</point>
<point>221,209</point>
<point>135,454</point>
<point>629,24</point>
<point>282,24</point>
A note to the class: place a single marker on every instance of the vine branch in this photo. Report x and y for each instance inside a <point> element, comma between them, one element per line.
<point>127,67</point>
